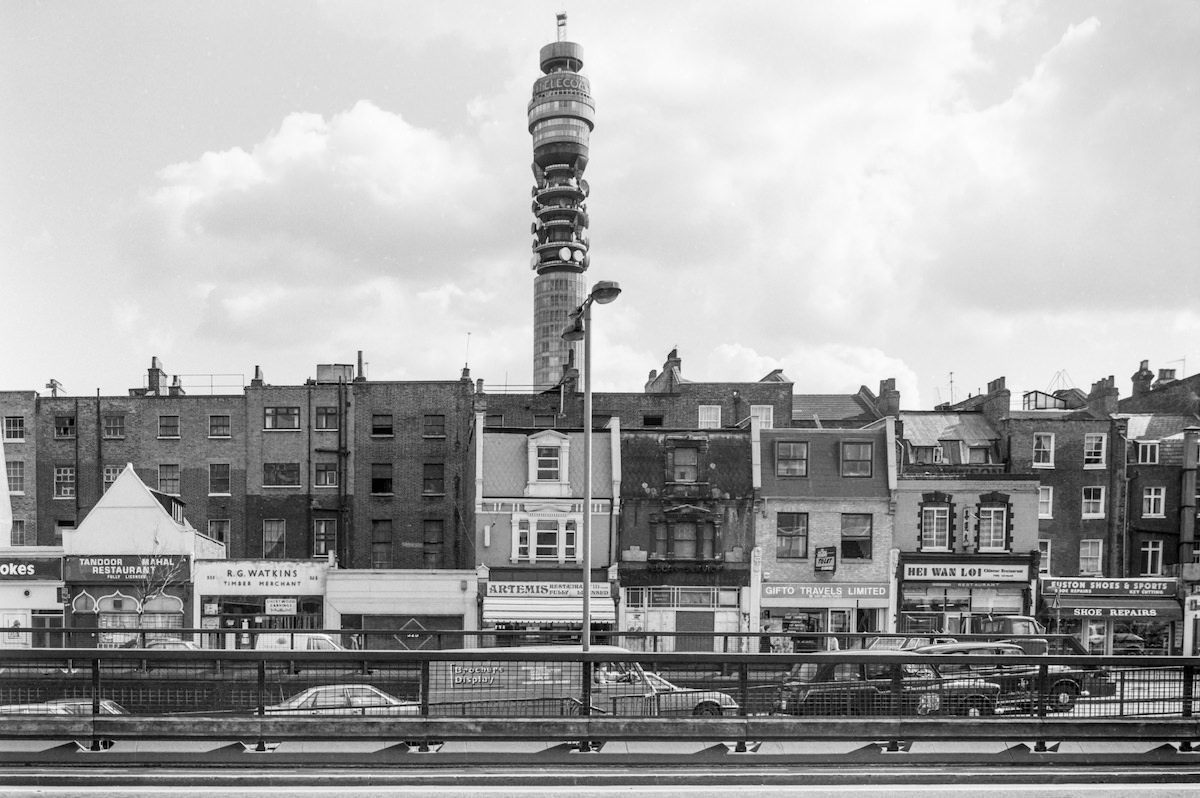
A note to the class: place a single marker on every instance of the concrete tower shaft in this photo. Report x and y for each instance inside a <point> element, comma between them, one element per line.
<point>561,116</point>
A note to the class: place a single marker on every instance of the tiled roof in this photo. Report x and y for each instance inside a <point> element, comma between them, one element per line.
<point>831,408</point>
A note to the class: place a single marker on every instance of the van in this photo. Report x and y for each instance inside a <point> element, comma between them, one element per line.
<point>536,687</point>
<point>295,641</point>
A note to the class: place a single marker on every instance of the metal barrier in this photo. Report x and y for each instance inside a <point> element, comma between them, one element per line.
<point>547,693</point>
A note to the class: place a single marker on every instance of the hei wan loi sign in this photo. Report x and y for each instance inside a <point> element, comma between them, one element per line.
<point>964,572</point>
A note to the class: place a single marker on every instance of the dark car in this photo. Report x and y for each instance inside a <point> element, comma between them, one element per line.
<point>1019,681</point>
<point>836,687</point>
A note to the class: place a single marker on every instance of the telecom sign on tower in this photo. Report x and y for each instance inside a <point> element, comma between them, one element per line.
<point>561,116</point>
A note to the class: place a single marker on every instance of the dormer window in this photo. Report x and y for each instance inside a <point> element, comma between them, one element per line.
<point>549,464</point>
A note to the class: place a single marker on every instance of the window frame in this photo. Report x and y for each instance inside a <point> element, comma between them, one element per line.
<point>64,427</point>
<point>870,537</point>
<point>782,460</point>
<point>1098,557</point>
<point>708,417</point>
<point>694,466</point>
<point>322,416</point>
<point>14,429</point>
<point>1150,557</point>
<point>219,524</point>
<point>112,426</point>
<point>14,472</point>
<point>64,482</point>
<point>172,476</point>
<point>379,481</point>
<point>765,415</point>
<point>1154,496</point>
<point>1045,549</point>
<point>324,541</point>
<point>278,525</point>
<point>1099,501</point>
<point>321,475</point>
<point>215,480</point>
<point>1147,452</point>
<point>383,425</point>
<point>113,471</point>
<point>993,510</point>
<point>935,511</point>
<point>1095,456</point>
<point>433,479</point>
<point>278,471</point>
<point>1049,501</point>
<point>433,425</point>
<point>215,426</point>
<point>165,426</point>
<point>272,416</point>
<point>1047,451</point>
<point>566,547</point>
<point>792,536</point>
<point>668,537</point>
<point>846,461</point>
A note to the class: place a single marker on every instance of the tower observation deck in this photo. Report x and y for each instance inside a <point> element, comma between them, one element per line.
<point>561,116</point>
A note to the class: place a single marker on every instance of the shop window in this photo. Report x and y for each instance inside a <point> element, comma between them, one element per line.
<point>219,426</point>
<point>791,536</point>
<point>1043,450</point>
<point>381,479</point>
<point>326,418</point>
<point>64,426</point>
<point>324,537</point>
<point>1095,445</point>
<point>325,475</point>
<point>281,418</point>
<point>1153,502</point>
<point>113,426</point>
<point>219,480</point>
<point>274,539</point>
<point>281,475</point>
<point>935,527</point>
<point>1091,557</point>
<point>1093,501</point>
<point>381,425</point>
<point>1152,558</point>
<point>791,459</point>
<point>64,482</point>
<point>433,479</point>
<point>1147,452</point>
<point>857,459</point>
<point>856,536</point>
<point>168,426</point>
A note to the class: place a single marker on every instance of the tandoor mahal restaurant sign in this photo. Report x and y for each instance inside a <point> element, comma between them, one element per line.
<point>126,568</point>
<point>261,577</point>
<point>964,572</point>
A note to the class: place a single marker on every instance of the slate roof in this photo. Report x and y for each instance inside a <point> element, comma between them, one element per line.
<point>928,429</point>
<point>832,409</point>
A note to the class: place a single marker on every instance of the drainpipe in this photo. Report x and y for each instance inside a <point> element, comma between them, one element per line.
<point>1187,497</point>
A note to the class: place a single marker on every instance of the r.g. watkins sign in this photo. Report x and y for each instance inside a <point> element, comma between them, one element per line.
<point>260,577</point>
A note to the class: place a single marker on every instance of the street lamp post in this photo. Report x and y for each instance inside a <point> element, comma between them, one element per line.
<point>603,292</point>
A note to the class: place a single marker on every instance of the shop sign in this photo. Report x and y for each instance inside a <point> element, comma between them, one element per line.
<point>1109,587</point>
<point>280,606</point>
<point>547,589</point>
<point>815,590</point>
<point>261,577</point>
<point>127,568</point>
<point>1192,603</point>
<point>826,559</point>
<point>13,568</point>
<point>1116,612</point>
<point>964,572</point>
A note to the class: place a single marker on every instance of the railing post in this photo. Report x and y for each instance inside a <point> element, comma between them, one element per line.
<point>95,746</point>
<point>1189,674</point>
<point>424,697</point>
<point>1040,703</point>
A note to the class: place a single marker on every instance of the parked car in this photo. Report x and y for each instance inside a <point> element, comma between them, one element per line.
<point>344,699</point>
<point>904,642</point>
<point>1019,682</point>
<point>172,645</point>
<point>836,687</point>
<point>64,706</point>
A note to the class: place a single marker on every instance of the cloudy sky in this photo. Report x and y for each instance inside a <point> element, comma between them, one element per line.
<point>943,193</point>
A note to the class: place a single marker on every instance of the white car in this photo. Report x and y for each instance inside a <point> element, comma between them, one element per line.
<point>64,706</point>
<point>344,699</point>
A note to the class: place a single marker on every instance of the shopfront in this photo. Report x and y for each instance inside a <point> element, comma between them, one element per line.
<point>546,612</point>
<point>1116,616</point>
<point>808,616</point>
<point>941,595</point>
<point>405,610</point>
<point>31,606</point>
<point>238,596</point>
<point>115,598</point>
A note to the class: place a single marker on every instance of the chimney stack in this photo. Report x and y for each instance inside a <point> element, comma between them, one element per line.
<point>1142,379</point>
<point>1103,398</point>
<point>888,403</point>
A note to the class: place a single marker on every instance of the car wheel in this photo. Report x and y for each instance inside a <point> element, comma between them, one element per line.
<point>707,709</point>
<point>1062,696</point>
<point>976,707</point>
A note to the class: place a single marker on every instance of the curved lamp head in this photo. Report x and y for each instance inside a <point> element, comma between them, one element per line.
<point>574,330</point>
<point>605,291</point>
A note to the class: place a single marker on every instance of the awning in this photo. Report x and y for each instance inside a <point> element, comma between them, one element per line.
<point>528,609</point>
<point>1158,609</point>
